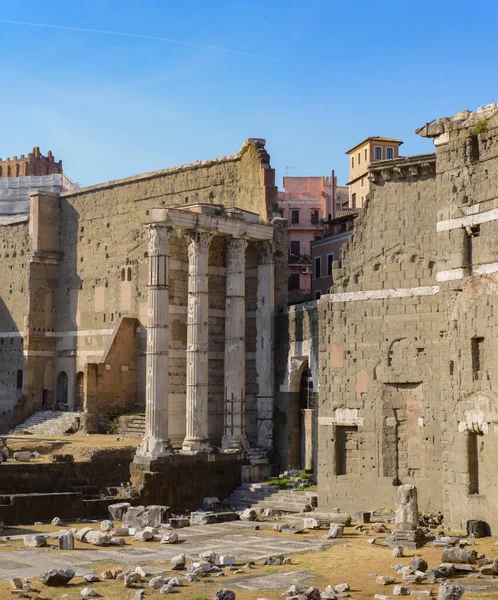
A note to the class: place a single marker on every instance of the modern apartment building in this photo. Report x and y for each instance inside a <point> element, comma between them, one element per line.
<point>361,157</point>
<point>306,203</point>
<point>328,249</point>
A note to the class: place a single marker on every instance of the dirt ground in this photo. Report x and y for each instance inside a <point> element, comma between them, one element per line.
<point>353,560</point>
<point>80,446</point>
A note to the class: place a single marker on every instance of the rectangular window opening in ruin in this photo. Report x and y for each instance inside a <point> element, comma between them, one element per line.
<point>473,243</point>
<point>478,357</point>
<point>346,449</point>
<point>19,379</point>
<point>473,441</point>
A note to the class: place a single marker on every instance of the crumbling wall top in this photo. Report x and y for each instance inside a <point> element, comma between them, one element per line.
<point>462,120</point>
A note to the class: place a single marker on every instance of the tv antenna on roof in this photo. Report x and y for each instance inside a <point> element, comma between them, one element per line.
<point>289,168</point>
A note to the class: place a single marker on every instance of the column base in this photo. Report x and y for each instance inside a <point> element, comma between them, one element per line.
<point>234,443</point>
<point>154,448</point>
<point>194,445</point>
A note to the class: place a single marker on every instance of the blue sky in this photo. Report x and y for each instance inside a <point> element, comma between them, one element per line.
<point>313,78</point>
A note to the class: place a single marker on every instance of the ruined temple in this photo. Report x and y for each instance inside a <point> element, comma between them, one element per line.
<point>189,255</point>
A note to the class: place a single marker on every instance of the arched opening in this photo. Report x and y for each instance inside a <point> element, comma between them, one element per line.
<point>79,390</point>
<point>62,391</point>
<point>129,274</point>
<point>123,274</point>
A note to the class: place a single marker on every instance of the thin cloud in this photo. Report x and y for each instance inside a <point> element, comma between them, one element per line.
<point>193,45</point>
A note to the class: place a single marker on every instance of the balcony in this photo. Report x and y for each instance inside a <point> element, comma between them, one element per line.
<point>306,223</point>
<point>299,259</point>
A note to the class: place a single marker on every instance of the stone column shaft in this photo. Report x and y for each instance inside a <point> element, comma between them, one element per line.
<point>197,430</point>
<point>156,442</point>
<point>264,344</point>
<point>235,345</point>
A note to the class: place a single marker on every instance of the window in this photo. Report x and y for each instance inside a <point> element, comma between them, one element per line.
<point>295,248</point>
<point>473,461</point>
<point>359,157</point>
<point>314,217</point>
<point>362,181</point>
<point>317,273</point>
<point>362,201</point>
<point>378,153</point>
<point>293,282</point>
<point>366,154</point>
<point>19,379</point>
<point>473,234</point>
<point>390,153</point>
<point>352,162</point>
<point>477,356</point>
<point>123,274</point>
<point>129,274</point>
<point>353,201</point>
<point>318,295</point>
<point>330,261</point>
<point>295,217</point>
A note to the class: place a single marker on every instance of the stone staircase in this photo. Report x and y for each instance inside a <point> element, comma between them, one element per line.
<point>261,495</point>
<point>47,422</point>
<point>131,425</point>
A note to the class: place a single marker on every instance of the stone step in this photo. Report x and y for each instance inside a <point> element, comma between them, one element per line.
<point>47,423</point>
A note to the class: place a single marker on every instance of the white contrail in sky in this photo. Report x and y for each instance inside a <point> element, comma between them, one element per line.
<point>189,44</point>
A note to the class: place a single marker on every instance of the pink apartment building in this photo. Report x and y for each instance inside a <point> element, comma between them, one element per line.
<point>306,203</point>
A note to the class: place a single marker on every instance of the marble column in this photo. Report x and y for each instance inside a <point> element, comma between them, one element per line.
<point>264,343</point>
<point>197,431</point>
<point>156,442</point>
<point>235,345</point>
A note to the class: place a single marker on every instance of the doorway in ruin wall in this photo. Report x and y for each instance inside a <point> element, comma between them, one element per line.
<point>301,416</point>
<point>401,439</point>
<point>62,386</point>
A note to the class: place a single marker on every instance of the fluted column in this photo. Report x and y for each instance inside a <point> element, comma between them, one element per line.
<point>235,345</point>
<point>264,343</point>
<point>156,442</point>
<point>197,432</point>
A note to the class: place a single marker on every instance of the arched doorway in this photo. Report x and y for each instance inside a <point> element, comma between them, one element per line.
<point>61,391</point>
<point>79,390</point>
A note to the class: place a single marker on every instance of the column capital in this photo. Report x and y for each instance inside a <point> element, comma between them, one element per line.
<point>158,238</point>
<point>236,248</point>
<point>266,250</point>
<point>198,240</point>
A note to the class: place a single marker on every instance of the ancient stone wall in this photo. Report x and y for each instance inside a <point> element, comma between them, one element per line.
<point>89,271</point>
<point>14,247</point>
<point>407,338</point>
<point>467,229</point>
<point>378,359</point>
